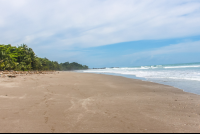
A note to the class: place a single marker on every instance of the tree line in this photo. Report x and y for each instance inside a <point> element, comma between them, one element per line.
<point>23,58</point>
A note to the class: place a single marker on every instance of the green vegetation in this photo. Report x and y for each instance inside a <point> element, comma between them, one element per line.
<point>22,58</point>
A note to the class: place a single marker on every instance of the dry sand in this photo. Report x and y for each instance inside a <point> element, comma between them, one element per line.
<point>78,102</point>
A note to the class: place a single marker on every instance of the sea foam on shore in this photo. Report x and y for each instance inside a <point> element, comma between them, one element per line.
<point>182,76</point>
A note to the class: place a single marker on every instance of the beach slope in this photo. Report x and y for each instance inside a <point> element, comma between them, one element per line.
<point>83,102</point>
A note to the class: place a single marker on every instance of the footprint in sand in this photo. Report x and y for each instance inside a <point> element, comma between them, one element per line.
<point>46,119</point>
<point>52,129</point>
<point>45,112</point>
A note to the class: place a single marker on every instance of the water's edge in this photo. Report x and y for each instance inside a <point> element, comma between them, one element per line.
<point>142,79</point>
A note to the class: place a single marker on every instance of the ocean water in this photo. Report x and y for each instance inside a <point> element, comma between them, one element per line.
<point>182,76</point>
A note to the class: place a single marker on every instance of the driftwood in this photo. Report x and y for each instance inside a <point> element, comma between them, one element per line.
<point>11,76</point>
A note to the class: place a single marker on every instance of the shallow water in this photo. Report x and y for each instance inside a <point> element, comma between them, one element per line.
<point>182,76</point>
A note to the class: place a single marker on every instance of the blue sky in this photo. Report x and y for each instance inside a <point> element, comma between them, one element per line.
<point>105,33</point>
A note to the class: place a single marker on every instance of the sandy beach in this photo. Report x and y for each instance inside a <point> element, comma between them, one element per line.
<point>84,102</point>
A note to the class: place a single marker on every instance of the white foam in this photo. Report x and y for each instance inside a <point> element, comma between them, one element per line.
<point>186,72</point>
<point>182,66</point>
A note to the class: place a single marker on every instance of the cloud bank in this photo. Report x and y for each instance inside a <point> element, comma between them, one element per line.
<point>67,24</point>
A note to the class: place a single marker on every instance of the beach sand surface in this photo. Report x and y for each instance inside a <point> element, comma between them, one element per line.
<point>82,102</point>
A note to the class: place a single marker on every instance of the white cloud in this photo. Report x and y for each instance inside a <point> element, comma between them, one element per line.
<point>88,23</point>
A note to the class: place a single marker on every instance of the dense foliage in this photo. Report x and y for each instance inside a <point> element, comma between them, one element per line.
<point>23,58</point>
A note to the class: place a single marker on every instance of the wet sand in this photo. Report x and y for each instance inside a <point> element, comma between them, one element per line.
<point>80,102</point>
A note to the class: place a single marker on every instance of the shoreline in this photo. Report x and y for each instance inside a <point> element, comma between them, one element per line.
<point>143,79</point>
<point>86,102</point>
